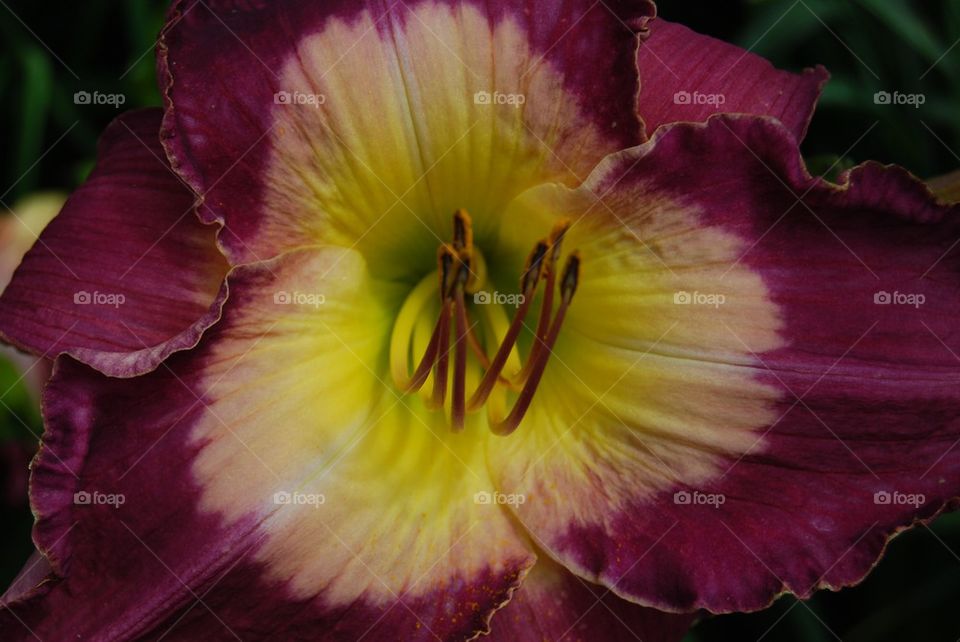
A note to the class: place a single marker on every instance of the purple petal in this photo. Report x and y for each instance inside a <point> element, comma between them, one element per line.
<point>554,604</point>
<point>125,275</point>
<point>686,76</point>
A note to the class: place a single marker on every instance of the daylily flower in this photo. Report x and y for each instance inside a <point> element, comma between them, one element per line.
<point>525,329</point>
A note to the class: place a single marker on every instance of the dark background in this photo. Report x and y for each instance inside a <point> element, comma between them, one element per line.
<point>48,51</point>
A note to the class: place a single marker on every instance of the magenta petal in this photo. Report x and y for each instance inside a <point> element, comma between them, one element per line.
<point>856,377</point>
<point>125,274</point>
<point>31,580</point>
<point>397,112</point>
<point>96,545</point>
<point>686,76</point>
<point>554,604</point>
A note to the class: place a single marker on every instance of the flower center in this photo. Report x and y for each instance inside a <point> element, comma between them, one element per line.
<point>461,270</point>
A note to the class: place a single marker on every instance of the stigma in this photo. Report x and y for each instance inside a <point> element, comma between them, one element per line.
<point>461,270</point>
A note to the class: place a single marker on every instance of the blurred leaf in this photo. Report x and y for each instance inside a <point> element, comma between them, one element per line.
<point>845,90</point>
<point>691,636</point>
<point>35,93</point>
<point>81,170</point>
<point>949,523</point>
<point>951,13</point>
<point>947,62</point>
<point>17,401</point>
<point>778,28</point>
<point>898,616</point>
<point>143,23</point>
<point>808,623</point>
<point>829,166</point>
<point>902,20</point>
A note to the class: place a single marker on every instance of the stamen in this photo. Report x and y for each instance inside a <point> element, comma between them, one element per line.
<point>463,240</point>
<point>481,355</point>
<point>546,308</point>
<point>446,256</point>
<point>528,285</point>
<point>533,268</point>
<point>458,266</point>
<point>440,371</point>
<point>429,356</point>
<point>568,286</point>
<point>477,348</point>
<point>400,340</point>
<point>460,349</point>
<point>462,230</point>
<point>497,323</point>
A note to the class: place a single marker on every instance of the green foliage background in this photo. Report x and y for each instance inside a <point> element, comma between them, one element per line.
<point>48,51</point>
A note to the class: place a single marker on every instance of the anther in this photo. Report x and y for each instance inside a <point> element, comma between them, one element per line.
<point>447,269</point>
<point>462,230</point>
<point>571,278</point>
<point>555,241</point>
<point>533,268</point>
